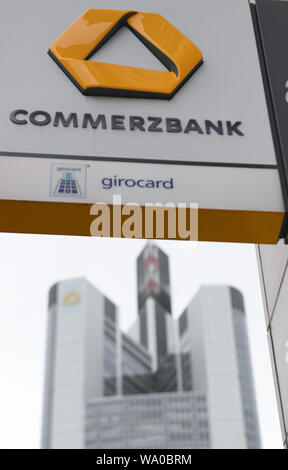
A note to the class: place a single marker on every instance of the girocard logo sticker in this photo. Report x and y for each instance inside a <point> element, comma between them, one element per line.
<point>68,181</point>
<point>72,50</point>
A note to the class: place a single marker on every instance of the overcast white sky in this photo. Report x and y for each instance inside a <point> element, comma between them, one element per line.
<point>30,264</point>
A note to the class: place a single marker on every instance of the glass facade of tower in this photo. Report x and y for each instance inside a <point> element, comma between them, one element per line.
<point>150,421</point>
<point>216,358</point>
<point>110,352</point>
<point>136,368</point>
<point>246,381</point>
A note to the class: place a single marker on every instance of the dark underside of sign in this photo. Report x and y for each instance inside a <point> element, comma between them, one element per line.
<point>270,19</point>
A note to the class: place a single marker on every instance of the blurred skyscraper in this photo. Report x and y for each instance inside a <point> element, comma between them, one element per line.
<point>168,383</point>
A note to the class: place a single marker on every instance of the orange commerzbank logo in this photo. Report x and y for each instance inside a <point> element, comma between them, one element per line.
<point>91,30</point>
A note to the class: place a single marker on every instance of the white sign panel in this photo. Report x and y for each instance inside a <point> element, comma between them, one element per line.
<point>210,144</point>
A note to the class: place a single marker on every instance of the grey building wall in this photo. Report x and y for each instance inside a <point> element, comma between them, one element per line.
<point>273,264</point>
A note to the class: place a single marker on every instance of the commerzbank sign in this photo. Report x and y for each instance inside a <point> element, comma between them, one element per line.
<point>181,101</point>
